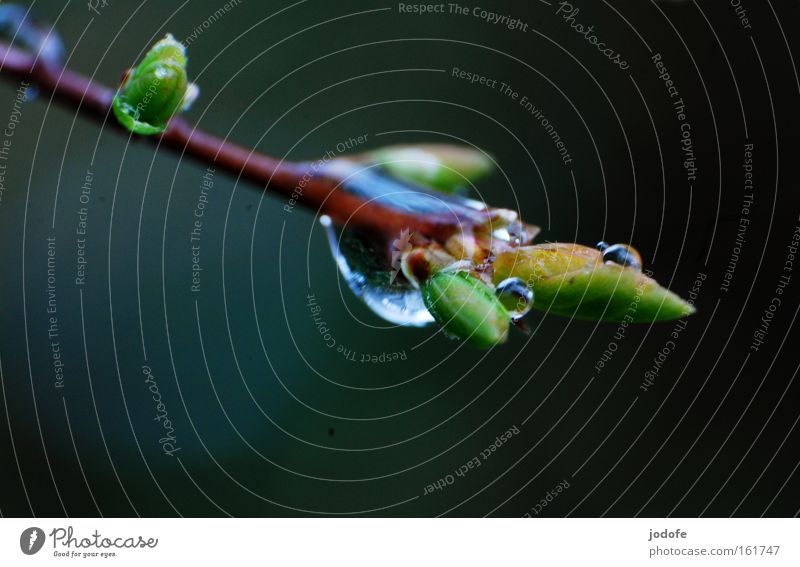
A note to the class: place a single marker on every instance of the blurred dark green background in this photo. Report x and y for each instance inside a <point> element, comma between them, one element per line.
<point>270,420</point>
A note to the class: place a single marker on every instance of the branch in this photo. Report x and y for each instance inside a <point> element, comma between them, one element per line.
<point>472,265</point>
<point>328,191</point>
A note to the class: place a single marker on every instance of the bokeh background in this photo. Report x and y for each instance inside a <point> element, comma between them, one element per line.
<point>268,419</point>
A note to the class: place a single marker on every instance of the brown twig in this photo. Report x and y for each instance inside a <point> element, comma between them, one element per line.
<point>323,191</point>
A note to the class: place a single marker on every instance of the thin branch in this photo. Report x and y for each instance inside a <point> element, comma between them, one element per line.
<point>323,191</point>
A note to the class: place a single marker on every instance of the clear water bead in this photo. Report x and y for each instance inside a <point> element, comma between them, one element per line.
<point>516,234</point>
<point>391,298</point>
<point>623,255</point>
<point>516,297</point>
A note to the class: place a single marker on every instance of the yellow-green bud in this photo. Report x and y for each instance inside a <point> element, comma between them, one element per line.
<point>155,90</point>
<point>467,308</point>
<point>575,281</point>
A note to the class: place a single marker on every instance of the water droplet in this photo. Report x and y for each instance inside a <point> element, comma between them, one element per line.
<point>370,276</point>
<point>516,297</point>
<point>623,255</point>
<point>374,184</point>
<point>516,233</point>
<point>505,226</point>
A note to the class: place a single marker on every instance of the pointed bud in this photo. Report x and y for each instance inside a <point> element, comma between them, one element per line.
<point>155,90</point>
<point>444,167</point>
<point>573,280</point>
<point>467,308</point>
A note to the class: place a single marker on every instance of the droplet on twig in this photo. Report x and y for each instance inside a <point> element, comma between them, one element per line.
<point>369,275</point>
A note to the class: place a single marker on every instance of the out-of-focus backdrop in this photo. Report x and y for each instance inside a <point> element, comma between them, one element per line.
<point>229,399</point>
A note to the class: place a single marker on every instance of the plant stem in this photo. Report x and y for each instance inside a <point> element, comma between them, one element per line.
<point>321,191</point>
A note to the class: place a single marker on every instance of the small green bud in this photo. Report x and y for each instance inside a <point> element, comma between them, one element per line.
<point>575,281</point>
<point>467,308</point>
<point>155,90</point>
<point>444,167</point>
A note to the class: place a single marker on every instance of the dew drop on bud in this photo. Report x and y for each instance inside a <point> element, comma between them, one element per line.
<point>623,255</point>
<point>515,296</point>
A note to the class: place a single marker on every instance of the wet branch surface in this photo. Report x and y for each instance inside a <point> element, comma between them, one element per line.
<point>323,191</point>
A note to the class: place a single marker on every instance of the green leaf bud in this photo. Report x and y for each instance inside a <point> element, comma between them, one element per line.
<point>155,90</point>
<point>574,281</point>
<point>467,308</point>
